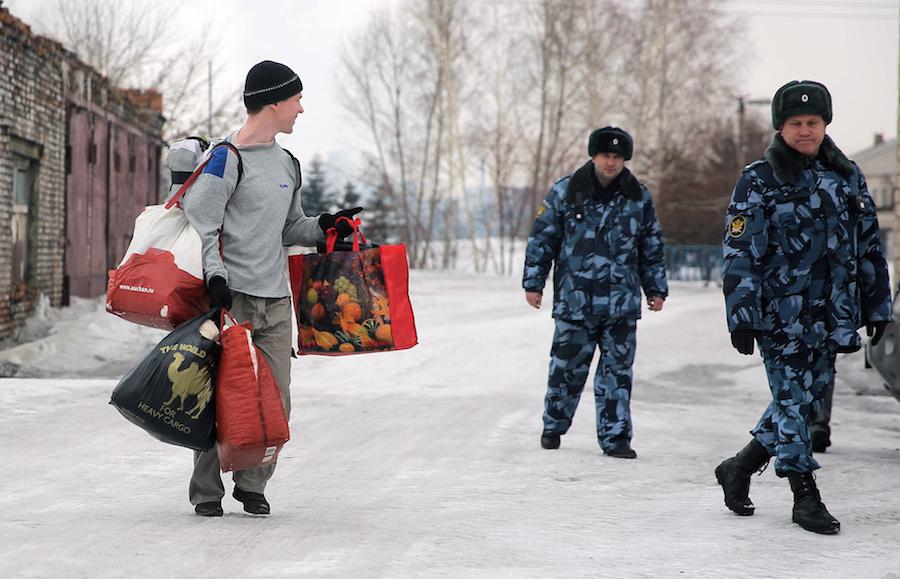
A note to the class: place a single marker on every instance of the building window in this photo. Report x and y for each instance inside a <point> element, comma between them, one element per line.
<point>20,225</point>
<point>882,192</point>
<point>886,237</point>
<point>25,163</point>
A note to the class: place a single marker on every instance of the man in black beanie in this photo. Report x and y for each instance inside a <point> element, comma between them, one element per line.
<point>246,209</point>
<point>598,229</point>
<point>804,271</point>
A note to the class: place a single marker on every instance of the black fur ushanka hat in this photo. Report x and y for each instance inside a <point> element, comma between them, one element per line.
<point>610,140</point>
<point>800,97</point>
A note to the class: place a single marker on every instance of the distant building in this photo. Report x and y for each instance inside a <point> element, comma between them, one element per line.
<point>79,159</point>
<point>879,164</point>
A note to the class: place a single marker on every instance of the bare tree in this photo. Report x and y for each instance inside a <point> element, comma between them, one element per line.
<point>138,44</point>
<point>509,92</point>
<point>704,183</point>
<point>378,70</point>
<point>497,129</point>
<point>552,128</point>
<point>405,87</point>
<point>683,75</point>
<point>606,65</point>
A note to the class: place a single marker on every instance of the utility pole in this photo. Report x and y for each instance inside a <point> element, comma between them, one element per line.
<point>895,242</point>
<point>209,129</point>
<point>741,110</point>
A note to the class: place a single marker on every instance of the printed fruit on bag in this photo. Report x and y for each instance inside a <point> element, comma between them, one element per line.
<point>344,306</point>
<point>383,333</point>
<point>352,311</point>
<point>326,340</point>
<point>344,285</point>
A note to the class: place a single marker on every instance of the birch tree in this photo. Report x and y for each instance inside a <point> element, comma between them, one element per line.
<point>377,69</point>
<point>475,108</point>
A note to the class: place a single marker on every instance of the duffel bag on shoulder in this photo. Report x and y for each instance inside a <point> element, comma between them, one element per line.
<point>159,283</point>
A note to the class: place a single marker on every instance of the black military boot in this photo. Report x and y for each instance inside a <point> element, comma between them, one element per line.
<point>821,437</point>
<point>254,503</point>
<point>620,449</point>
<point>549,440</point>
<point>809,512</point>
<point>734,476</point>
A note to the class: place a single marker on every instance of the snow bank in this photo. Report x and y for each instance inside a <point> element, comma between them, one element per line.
<point>79,341</point>
<point>427,462</point>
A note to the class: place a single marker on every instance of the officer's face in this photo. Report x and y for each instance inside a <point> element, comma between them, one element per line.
<point>804,133</point>
<point>608,165</point>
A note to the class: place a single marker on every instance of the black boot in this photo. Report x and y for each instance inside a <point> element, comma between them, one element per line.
<point>254,503</point>
<point>620,449</point>
<point>809,512</point>
<point>734,476</point>
<point>549,440</point>
<point>210,509</point>
<point>821,437</point>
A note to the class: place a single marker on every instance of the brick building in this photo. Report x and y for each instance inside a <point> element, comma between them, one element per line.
<point>79,159</point>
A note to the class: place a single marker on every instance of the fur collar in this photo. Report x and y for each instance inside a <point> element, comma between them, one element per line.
<point>581,181</point>
<point>787,164</point>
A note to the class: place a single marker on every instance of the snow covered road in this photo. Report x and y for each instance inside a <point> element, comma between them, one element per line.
<point>427,463</point>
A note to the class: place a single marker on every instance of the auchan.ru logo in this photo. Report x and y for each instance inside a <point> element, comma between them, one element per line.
<point>137,288</point>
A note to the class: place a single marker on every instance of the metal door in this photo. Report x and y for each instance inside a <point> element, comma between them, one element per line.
<point>86,190</point>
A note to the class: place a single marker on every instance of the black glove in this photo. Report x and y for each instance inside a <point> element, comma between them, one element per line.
<point>218,292</point>
<point>327,221</point>
<point>743,340</point>
<point>875,330</point>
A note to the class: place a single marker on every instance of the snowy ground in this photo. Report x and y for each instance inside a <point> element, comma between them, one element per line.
<point>427,462</point>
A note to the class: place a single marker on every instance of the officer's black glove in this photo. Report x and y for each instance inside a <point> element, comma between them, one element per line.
<point>327,221</point>
<point>218,293</point>
<point>875,330</point>
<point>743,340</point>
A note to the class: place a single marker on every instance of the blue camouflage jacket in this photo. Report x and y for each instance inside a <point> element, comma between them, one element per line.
<point>603,253</point>
<point>799,227</point>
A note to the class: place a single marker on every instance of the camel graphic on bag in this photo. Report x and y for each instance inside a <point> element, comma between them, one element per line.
<point>191,381</point>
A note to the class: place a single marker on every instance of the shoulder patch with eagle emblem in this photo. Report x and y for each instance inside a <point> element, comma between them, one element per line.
<point>737,226</point>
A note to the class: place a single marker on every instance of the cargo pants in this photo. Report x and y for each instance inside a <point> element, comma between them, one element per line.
<point>570,360</point>
<point>272,333</point>
<point>799,366</point>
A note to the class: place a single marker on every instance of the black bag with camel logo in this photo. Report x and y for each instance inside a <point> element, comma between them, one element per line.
<point>170,393</point>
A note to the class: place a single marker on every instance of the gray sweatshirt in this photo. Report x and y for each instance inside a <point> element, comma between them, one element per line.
<point>257,219</point>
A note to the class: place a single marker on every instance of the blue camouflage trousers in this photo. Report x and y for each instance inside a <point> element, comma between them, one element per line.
<point>797,380</point>
<point>570,360</point>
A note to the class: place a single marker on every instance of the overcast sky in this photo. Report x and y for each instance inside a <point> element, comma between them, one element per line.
<point>850,45</point>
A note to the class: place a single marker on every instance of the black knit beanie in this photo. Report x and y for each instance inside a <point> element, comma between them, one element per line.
<point>800,97</point>
<point>610,140</point>
<point>268,83</point>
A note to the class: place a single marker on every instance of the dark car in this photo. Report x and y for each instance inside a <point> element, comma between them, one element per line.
<point>885,358</point>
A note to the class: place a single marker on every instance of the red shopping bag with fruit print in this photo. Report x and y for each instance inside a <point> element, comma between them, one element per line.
<point>355,301</point>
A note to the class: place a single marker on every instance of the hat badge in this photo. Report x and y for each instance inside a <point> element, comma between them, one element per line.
<point>615,141</point>
<point>804,97</point>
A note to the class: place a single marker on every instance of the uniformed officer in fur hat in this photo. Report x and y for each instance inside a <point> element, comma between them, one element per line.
<point>598,228</point>
<point>804,270</point>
